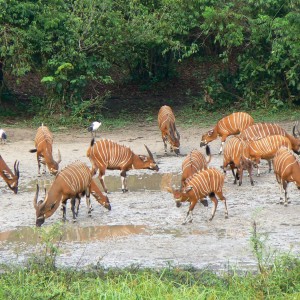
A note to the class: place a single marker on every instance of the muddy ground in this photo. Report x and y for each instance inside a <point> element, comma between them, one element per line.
<point>144,226</point>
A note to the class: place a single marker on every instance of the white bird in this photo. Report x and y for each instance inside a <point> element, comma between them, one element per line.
<point>3,136</point>
<point>93,127</point>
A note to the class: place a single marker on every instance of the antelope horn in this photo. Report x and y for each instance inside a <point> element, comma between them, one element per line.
<point>59,157</point>
<point>36,196</point>
<point>16,168</point>
<point>149,152</point>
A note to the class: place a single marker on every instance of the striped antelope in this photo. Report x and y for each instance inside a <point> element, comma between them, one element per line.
<point>70,183</point>
<point>169,133</point>
<point>195,161</point>
<point>203,183</point>
<point>261,130</point>
<point>229,125</point>
<point>43,148</point>
<point>108,155</point>
<point>236,155</point>
<point>286,169</point>
<point>266,148</point>
<point>9,177</point>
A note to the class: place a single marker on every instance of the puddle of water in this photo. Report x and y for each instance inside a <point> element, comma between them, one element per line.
<point>149,182</point>
<point>30,235</point>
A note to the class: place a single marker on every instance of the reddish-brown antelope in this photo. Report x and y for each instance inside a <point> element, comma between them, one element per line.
<point>229,125</point>
<point>261,130</point>
<point>286,169</point>
<point>195,161</point>
<point>203,183</point>
<point>169,133</point>
<point>9,177</point>
<point>72,183</point>
<point>266,148</point>
<point>108,155</point>
<point>43,148</point>
<point>236,155</point>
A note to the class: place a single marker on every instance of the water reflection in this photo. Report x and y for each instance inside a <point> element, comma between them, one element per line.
<point>30,235</point>
<point>144,182</point>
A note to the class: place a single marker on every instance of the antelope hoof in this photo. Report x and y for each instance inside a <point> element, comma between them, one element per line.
<point>124,190</point>
<point>74,220</point>
<point>285,204</point>
<point>252,183</point>
<point>226,216</point>
<point>240,183</point>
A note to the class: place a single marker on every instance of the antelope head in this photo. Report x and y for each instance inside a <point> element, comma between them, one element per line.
<point>208,137</point>
<point>43,209</point>
<point>53,168</point>
<point>150,159</point>
<point>11,179</point>
<point>174,139</point>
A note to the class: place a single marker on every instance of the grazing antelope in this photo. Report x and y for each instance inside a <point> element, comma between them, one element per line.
<point>203,183</point>
<point>229,125</point>
<point>106,154</point>
<point>195,161</point>
<point>261,130</point>
<point>43,143</point>
<point>236,155</point>
<point>286,169</point>
<point>9,177</point>
<point>169,133</point>
<point>266,148</point>
<point>70,183</point>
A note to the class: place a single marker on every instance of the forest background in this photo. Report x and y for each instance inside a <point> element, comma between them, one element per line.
<point>80,60</point>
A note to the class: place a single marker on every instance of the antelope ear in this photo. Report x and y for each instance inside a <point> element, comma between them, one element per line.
<point>143,158</point>
<point>210,132</point>
<point>7,174</point>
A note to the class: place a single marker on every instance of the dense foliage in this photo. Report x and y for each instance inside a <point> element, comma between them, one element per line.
<point>75,44</point>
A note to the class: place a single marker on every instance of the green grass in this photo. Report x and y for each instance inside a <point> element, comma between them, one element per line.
<point>281,281</point>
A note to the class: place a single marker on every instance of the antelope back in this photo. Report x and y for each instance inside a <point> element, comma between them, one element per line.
<point>234,123</point>
<point>284,160</point>
<point>234,149</point>
<point>106,154</point>
<point>261,130</point>
<point>166,123</point>
<point>43,138</point>
<point>11,179</point>
<point>205,182</point>
<point>193,162</point>
<point>268,146</point>
<point>73,179</point>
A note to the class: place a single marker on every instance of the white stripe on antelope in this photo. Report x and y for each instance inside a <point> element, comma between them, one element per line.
<point>11,179</point>
<point>72,183</point>
<point>203,183</point>
<point>286,169</point>
<point>230,125</point>
<point>169,133</point>
<point>236,155</point>
<point>261,130</point>
<point>195,161</point>
<point>43,148</point>
<point>106,154</point>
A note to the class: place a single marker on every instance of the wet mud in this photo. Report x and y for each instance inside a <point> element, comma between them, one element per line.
<point>144,226</point>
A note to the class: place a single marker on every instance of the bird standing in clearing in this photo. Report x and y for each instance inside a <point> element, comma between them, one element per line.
<point>3,136</point>
<point>93,127</point>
